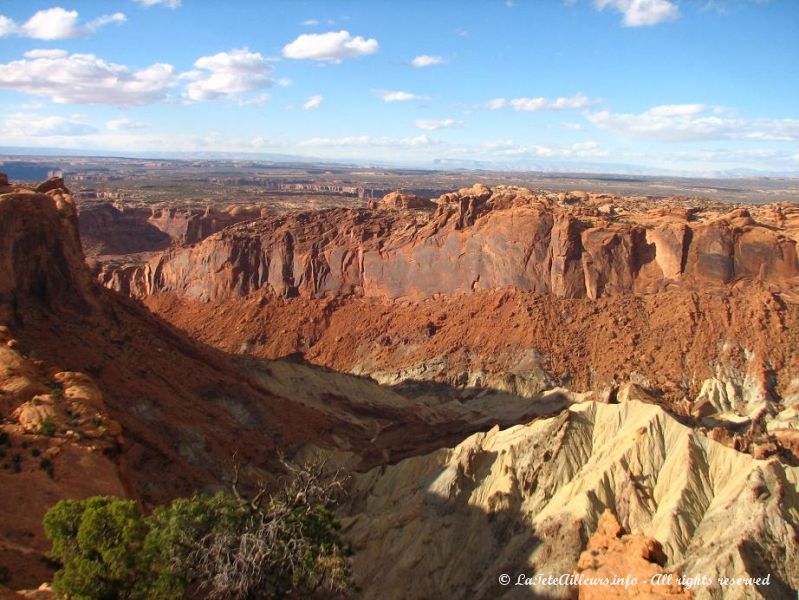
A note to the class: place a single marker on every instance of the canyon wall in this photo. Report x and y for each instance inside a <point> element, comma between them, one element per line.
<point>570,246</point>
<point>109,230</point>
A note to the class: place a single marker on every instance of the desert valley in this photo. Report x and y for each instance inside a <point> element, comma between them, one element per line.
<point>495,369</point>
<point>348,300</point>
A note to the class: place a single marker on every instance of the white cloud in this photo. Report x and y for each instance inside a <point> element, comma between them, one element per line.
<point>638,13</point>
<point>164,3</point>
<point>312,103</point>
<point>397,96</point>
<point>573,126</point>
<point>732,154</point>
<point>52,24</point>
<point>676,110</point>
<point>368,141</point>
<point>45,53</point>
<point>507,148</point>
<point>124,124</point>
<point>56,24</point>
<point>254,100</point>
<point>691,122</point>
<point>333,46</point>
<point>117,17</point>
<point>86,79</point>
<point>310,22</point>
<point>228,74</point>
<point>26,124</point>
<point>7,26</point>
<point>432,125</point>
<point>540,103</point>
<point>427,60</point>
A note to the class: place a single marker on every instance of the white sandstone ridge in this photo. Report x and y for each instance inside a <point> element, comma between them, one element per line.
<point>526,499</point>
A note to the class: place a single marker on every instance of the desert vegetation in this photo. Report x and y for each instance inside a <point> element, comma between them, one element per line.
<point>274,542</point>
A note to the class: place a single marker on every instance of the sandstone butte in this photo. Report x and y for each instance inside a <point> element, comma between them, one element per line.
<point>596,374</point>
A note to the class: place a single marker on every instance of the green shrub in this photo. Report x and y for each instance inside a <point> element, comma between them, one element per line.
<point>223,546</point>
<point>47,427</point>
<point>96,541</point>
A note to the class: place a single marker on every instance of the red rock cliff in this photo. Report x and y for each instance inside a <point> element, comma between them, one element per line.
<point>568,245</point>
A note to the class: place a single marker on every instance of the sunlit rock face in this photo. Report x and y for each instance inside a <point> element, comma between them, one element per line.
<point>567,245</point>
<point>526,500</point>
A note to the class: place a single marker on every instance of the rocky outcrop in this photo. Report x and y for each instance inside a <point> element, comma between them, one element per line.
<point>108,353</point>
<point>109,230</point>
<point>191,226</point>
<point>568,245</point>
<point>400,201</point>
<point>39,251</point>
<point>105,229</point>
<point>619,565</point>
<point>525,500</point>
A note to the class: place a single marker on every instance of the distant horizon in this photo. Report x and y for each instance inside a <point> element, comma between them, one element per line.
<point>23,154</point>
<point>702,86</point>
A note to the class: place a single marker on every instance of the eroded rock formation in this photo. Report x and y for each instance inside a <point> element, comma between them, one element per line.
<point>109,230</point>
<point>640,358</point>
<point>637,560</point>
<point>567,245</point>
<point>525,500</point>
<point>99,387</point>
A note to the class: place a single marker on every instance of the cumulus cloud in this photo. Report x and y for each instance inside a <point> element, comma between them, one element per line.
<point>228,74</point>
<point>427,60</point>
<point>397,96</point>
<point>26,124</point>
<point>86,79</point>
<point>124,124</point>
<point>333,46</point>
<point>312,103</point>
<point>691,122</point>
<point>640,13</point>
<point>164,3</point>
<point>56,24</point>
<point>540,103</point>
<point>432,125</point>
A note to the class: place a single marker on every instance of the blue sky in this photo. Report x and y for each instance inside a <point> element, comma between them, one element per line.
<point>683,85</point>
